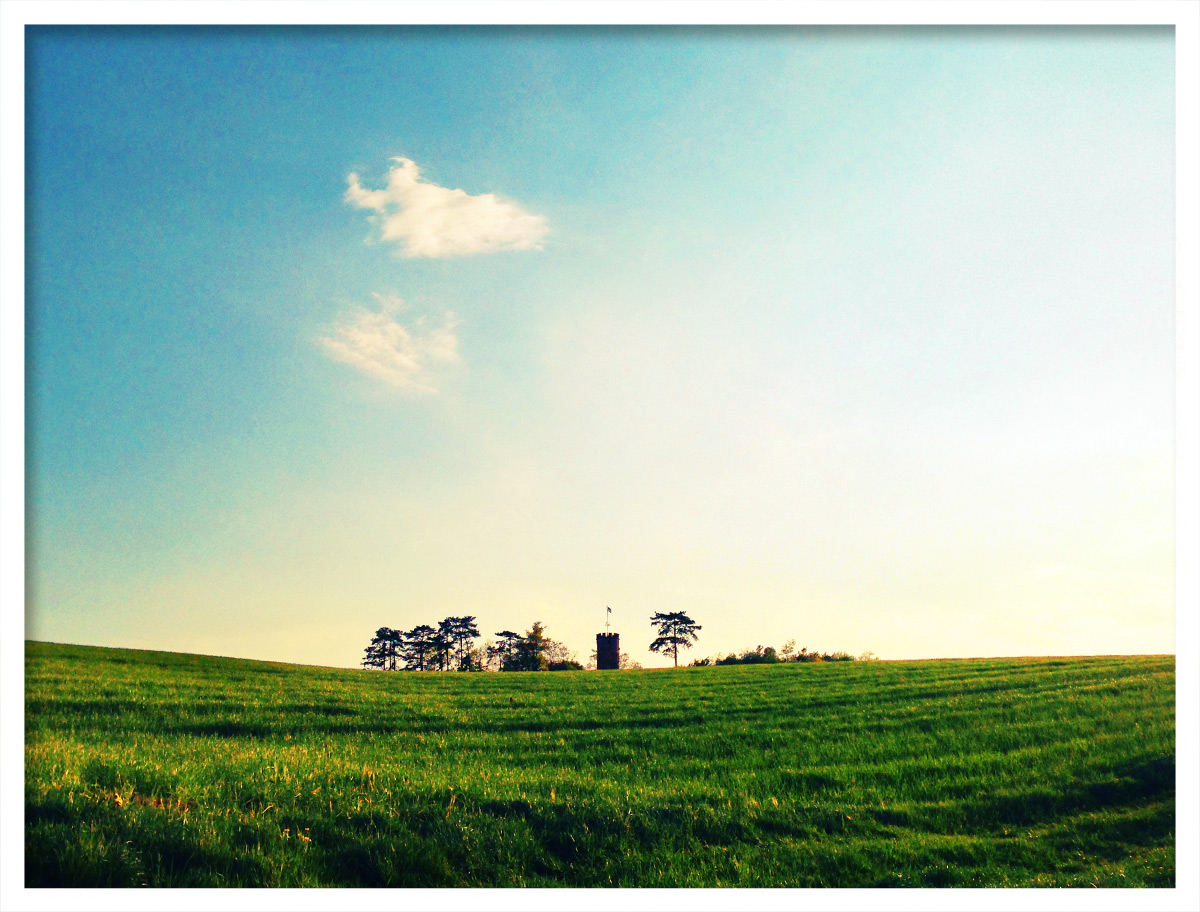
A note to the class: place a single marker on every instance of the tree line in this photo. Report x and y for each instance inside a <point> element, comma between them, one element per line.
<point>450,646</point>
<point>769,655</point>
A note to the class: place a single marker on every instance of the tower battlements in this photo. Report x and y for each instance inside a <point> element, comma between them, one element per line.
<point>608,651</point>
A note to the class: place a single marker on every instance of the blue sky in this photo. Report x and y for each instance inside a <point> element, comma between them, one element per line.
<point>863,337</point>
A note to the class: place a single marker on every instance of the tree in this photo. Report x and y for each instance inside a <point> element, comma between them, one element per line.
<point>474,660</point>
<point>384,649</point>
<point>559,652</point>
<point>418,647</point>
<point>463,631</point>
<point>524,653</point>
<point>506,649</point>
<point>675,630</point>
<point>488,655</point>
<point>443,642</point>
<point>531,649</point>
<point>561,658</point>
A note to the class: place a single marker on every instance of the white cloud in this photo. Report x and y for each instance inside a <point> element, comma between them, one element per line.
<point>425,220</point>
<point>379,345</point>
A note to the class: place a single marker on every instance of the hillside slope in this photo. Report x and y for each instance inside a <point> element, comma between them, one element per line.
<point>161,769</point>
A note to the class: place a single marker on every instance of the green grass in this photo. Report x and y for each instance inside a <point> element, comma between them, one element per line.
<point>161,769</point>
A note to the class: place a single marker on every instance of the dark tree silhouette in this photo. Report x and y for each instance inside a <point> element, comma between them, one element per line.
<point>524,653</point>
<point>507,647</point>
<point>418,648</point>
<point>443,644</point>
<point>384,649</point>
<point>451,646</point>
<point>532,648</point>
<point>464,632</point>
<point>675,630</point>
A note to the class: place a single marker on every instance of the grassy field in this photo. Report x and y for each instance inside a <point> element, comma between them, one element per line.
<point>162,769</point>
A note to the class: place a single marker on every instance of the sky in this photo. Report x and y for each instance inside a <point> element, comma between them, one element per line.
<point>862,337</point>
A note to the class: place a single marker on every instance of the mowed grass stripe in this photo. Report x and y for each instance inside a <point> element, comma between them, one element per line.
<point>175,770</point>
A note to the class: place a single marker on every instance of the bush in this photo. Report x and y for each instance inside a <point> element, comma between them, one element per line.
<point>760,655</point>
<point>767,655</point>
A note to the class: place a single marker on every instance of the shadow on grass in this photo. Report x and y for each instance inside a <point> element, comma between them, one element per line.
<point>231,728</point>
<point>1134,785</point>
<point>100,847</point>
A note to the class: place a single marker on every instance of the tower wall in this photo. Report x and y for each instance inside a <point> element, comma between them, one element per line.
<point>608,651</point>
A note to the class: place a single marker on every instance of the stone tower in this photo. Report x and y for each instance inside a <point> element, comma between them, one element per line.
<point>608,651</point>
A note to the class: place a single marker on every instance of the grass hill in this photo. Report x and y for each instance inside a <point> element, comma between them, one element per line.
<point>162,769</point>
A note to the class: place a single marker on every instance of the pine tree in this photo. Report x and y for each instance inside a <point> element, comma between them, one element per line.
<point>418,648</point>
<point>674,630</point>
<point>384,649</point>
<point>506,648</point>
<point>464,631</point>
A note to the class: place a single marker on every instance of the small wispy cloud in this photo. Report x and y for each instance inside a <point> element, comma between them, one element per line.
<point>376,343</point>
<point>425,220</point>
